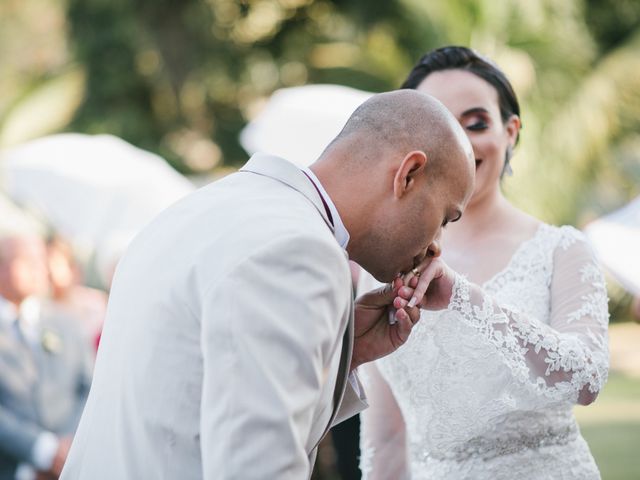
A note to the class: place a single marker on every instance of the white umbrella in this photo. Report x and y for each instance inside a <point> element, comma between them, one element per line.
<point>297,123</point>
<point>616,238</point>
<point>14,221</point>
<point>98,191</point>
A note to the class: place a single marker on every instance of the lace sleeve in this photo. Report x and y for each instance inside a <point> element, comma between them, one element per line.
<point>566,360</point>
<point>383,451</point>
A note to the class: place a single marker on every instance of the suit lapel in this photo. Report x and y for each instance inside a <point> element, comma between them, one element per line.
<point>287,173</point>
<point>17,360</point>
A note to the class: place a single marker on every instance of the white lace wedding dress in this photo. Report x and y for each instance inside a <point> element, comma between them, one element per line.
<point>485,389</point>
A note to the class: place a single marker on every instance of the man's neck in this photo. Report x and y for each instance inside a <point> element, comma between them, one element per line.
<point>11,300</point>
<point>343,189</point>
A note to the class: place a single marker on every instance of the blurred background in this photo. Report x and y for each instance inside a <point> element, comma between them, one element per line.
<point>180,79</point>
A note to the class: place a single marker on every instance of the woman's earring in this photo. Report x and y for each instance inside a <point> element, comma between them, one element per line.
<point>507,161</point>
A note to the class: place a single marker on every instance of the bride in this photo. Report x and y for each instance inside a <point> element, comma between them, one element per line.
<point>484,388</point>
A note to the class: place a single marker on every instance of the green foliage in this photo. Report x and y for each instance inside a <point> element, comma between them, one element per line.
<point>611,22</point>
<point>611,427</point>
<point>170,75</point>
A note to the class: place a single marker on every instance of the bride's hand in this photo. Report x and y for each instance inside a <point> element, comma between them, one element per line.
<point>433,287</point>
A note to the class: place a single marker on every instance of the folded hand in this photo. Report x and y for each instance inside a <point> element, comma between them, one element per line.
<point>433,288</point>
<point>375,337</point>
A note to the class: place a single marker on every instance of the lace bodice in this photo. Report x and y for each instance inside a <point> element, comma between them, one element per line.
<point>485,388</point>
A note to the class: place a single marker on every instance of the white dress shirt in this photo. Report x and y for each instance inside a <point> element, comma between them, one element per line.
<point>340,231</point>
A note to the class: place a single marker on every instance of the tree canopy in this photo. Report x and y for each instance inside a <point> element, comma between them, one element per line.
<point>182,77</point>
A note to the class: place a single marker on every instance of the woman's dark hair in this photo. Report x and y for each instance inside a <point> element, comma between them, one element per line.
<point>463,58</point>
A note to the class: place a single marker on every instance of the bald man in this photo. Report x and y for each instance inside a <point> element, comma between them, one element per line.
<point>228,349</point>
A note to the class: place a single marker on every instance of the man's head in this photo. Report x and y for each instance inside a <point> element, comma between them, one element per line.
<point>23,267</point>
<point>401,168</point>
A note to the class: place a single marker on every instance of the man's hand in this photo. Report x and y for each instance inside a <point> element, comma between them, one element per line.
<point>374,336</point>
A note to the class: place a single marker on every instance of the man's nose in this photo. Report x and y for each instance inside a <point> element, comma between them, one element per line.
<point>434,249</point>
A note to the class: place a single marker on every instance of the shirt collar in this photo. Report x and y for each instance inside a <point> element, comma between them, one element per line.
<point>8,313</point>
<point>341,233</point>
<point>28,314</point>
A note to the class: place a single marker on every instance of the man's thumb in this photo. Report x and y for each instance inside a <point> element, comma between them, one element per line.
<point>382,296</point>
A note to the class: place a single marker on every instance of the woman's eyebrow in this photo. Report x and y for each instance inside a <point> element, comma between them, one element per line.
<point>473,110</point>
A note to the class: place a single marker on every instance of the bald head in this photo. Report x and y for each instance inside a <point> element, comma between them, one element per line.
<point>400,169</point>
<point>402,121</point>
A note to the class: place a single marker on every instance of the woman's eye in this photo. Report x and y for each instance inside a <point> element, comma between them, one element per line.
<point>477,126</point>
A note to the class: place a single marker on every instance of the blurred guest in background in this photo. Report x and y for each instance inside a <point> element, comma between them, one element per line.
<point>87,305</point>
<point>45,366</point>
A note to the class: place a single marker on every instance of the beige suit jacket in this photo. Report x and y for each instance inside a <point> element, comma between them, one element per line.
<point>228,338</point>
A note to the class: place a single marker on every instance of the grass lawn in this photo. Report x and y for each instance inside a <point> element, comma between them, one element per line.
<point>611,426</point>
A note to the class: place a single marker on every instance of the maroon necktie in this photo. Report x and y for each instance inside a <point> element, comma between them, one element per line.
<point>326,207</point>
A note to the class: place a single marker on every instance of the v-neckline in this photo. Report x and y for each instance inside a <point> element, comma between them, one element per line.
<point>517,253</point>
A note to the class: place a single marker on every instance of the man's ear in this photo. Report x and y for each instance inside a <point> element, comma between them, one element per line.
<point>412,165</point>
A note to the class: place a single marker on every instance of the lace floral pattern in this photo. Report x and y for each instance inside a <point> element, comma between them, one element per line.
<point>515,336</point>
<point>486,387</point>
